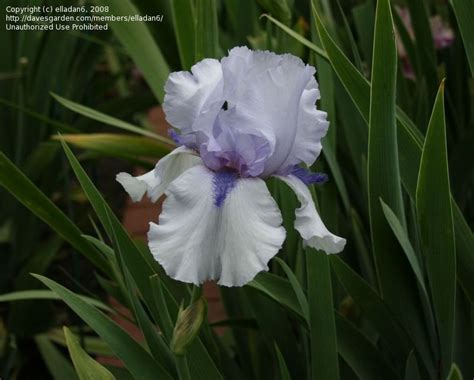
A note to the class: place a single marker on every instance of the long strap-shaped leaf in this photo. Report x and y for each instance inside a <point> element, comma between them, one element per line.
<point>433,203</point>
<point>118,145</point>
<point>455,373</point>
<point>207,31</point>
<point>86,367</point>
<point>139,264</point>
<point>373,307</point>
<point>397,285</point>
<point>106,119</point>
<point>411,368</point>
<point>425,49</point>
<point>383,170</point>
<point>284,373</point>
<point>356,349</point>
<point>12,179</point>
<point>464,10</point>
<point>183,14</point>
<point>322,327</point>
<point>410,142</point>
<point>361,355</point>
<point>139,43</point>
<point>59,367</point>
<point>154,340</point>
<point>140,364</point>
<point>23,295</point>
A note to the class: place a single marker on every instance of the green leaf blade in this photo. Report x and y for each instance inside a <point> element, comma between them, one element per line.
<point>404,241</point>
<point>396,283</point>
<point>106,119</point>
<point>373,307</point>
<point>411,368</point>
<point>301,297</point>
<point>360,354</point>
<point>284,373</point>
<point>23,295</point>
<point>154,340</point>
<point>184,22</point>
<point>435,218</point>
<point>323,338</point>
<point>138,41</point>
<point>455,373</point>
<point>278,289</point>
<point>464,11</point>
<point>59,367</point>
<point>297,37</point>
<point>410,144</point>
<point>135,358</point>
<point>207,31</point>
<point>86,367</point>
<point>20,186</point>
<point>139,263</point>
<point>425,49</point>
<point>353,81</point>
<point>383,170</point>
<point>119,145</point>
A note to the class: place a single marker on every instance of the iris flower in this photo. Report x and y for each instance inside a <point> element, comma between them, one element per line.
<point>237,122</point>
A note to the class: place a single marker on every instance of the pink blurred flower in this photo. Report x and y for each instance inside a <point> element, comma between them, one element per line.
<point>443,37</point>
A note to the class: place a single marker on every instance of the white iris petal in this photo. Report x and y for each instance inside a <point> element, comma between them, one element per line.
<point>196,241</point>
<point>275,96</point>
<point>308,222</point>
<point>193,99</point>
<point>312,126</point>
<point>155,182</point>
<point>137,186</point>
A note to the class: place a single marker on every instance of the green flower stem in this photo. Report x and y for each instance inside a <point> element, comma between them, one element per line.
<point>182,366</point>
<point>197,292</point>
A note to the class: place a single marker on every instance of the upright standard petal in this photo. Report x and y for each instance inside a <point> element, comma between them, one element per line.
<point>308,222</point>
<point>193,99</point>
<point>155,182</point>
<point>241,67</point>
<point>275,96</point>
<point>254,111</point>
<point>201,236</point>
<point>311,127</point>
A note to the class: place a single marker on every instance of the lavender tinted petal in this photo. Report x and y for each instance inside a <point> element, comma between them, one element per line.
<point>308,177</point>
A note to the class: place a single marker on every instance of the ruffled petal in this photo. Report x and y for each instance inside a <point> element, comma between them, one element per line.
<point>312,126</point>
<point>255,111</point>
<point>241,67</point>
<point>155,182</point>
<point>136,187</point>
<point>172,166</point>
<point>193,99</point>
<point>308,222</point>
<point>199,239</point>
<point>275,96</point>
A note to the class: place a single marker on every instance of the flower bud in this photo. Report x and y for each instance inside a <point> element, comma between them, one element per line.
<point>187,326</point>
